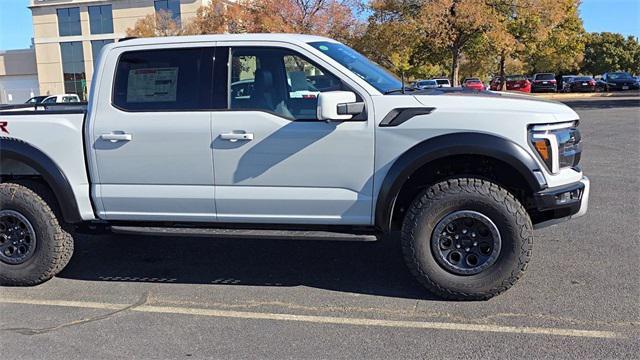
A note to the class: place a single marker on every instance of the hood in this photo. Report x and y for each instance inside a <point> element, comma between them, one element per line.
<point>495,102</point>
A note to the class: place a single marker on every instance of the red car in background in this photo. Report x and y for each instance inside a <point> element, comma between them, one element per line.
<point>473,84</point>
<point>514,83</point>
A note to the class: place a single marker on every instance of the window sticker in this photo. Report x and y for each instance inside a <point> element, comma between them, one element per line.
<point>152,85</point>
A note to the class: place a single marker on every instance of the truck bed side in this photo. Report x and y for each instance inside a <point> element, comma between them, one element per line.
<point>59,135</point>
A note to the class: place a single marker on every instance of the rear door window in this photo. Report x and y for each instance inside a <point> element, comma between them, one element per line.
<point>166,80</point>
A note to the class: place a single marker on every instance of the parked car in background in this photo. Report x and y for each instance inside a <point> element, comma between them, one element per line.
<point>63,98</point>
<point>618,80</point>
<point>443,82</point>
<point>514,83</point>
<point>426,84</point>
<point>562,80</point>
<point>36,99</point>
<point>544,82</point>
<point>473,84</point>
<point>579,84</point>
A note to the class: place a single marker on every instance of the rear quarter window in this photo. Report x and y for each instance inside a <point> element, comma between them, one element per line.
<point>545,77</point>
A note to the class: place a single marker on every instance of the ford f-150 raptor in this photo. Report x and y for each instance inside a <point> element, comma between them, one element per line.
<point>287,136</point>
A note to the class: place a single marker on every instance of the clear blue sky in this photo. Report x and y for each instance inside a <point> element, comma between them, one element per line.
<point>621,16</point>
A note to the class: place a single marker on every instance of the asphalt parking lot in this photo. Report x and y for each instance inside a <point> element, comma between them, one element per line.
<point>159,297</point>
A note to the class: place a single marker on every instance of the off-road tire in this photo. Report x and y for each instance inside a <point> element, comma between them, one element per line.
<point>54,244</point>
<point>485,197</point>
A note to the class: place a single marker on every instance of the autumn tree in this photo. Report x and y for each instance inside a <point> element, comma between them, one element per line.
<point>331,18</point>
<point>454,25</point>
<point>390,35</point>
<point>562,49</point>
<point>160,23</point>
<point>213,18</point>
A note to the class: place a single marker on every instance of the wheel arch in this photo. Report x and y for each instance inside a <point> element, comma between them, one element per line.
<point>463,144</point>
<point>26,154</point>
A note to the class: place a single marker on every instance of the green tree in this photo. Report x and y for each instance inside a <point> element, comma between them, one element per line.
<point>611,52</point>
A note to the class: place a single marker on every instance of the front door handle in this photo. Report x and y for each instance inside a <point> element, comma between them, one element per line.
<point>235,136</point>
<point>113,137</point>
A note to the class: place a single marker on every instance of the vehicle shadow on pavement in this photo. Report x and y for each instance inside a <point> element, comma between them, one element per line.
<point>354,267</point>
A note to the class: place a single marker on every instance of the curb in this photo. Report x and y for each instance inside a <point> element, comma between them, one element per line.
<point>587,95</point>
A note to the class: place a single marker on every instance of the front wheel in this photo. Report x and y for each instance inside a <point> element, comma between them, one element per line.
<point>467,239</point>
<point>33,245</point>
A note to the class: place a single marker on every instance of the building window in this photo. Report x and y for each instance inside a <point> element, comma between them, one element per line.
<point>73,68</point>
<point>100,19</point>
<point>96,46</point>
<point>170,6</point>
<point>69,21</point>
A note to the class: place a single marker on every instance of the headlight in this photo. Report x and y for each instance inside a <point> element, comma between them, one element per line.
<point>557,145</point>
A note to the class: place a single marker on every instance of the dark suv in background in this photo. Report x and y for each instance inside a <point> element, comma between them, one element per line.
<point>544,82</point>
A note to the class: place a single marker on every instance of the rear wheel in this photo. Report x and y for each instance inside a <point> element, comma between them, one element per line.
<point>33,245</point>
<point>467,239</point>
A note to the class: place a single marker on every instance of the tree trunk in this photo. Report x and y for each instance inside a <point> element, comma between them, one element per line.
<point>455,66</point>
<point>503,82</point>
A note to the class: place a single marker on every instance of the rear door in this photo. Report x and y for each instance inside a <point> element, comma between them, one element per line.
<point>151,135</point>
<point>275,162</point>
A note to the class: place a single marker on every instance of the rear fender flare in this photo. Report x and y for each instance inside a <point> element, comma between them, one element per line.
<point>51,173</point>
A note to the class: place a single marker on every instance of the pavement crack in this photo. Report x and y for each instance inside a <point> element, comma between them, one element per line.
<point>36,331</point>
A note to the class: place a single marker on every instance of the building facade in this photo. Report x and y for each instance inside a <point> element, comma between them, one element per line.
<point>69,34</point>
<point>18,76</point>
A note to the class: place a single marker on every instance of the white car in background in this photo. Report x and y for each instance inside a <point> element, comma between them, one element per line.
<point>63,98</point>
<point>443,82</point>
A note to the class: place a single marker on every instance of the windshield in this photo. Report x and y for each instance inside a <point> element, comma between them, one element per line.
<point>545,77</point>
<point>582,78</point>
<point>623,75</point>
<point>370,72</point>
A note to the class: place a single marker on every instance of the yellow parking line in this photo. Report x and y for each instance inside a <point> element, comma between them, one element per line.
<point>325,319</point>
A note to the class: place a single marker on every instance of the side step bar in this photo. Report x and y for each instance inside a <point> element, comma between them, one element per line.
<point>243,233</point>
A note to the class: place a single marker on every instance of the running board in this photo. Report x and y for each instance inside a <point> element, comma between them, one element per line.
<point>243,233</point>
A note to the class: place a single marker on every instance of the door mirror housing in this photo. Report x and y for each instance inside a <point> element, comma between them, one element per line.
<point>338,105</point>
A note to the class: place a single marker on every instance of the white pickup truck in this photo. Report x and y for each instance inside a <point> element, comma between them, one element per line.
<point>288,136</point>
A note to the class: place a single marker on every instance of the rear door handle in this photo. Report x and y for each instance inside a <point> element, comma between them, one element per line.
<point>113,137</point>
<point>235,136</point>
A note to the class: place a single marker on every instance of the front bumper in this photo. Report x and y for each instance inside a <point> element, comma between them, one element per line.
<point>562,203</point>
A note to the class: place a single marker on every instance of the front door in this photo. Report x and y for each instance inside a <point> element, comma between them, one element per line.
<point>152,141</point>
<point>274,161</point>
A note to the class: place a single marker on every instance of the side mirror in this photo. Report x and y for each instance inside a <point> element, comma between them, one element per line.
<point>338,105</point>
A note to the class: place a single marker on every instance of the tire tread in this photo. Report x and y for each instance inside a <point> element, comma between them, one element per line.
<point>501,197</point>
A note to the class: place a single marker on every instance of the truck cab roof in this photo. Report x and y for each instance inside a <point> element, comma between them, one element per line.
<point>289,38</point>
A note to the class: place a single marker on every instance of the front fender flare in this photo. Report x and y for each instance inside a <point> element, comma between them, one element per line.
<point>462,143</point>
<point>52,174</point>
